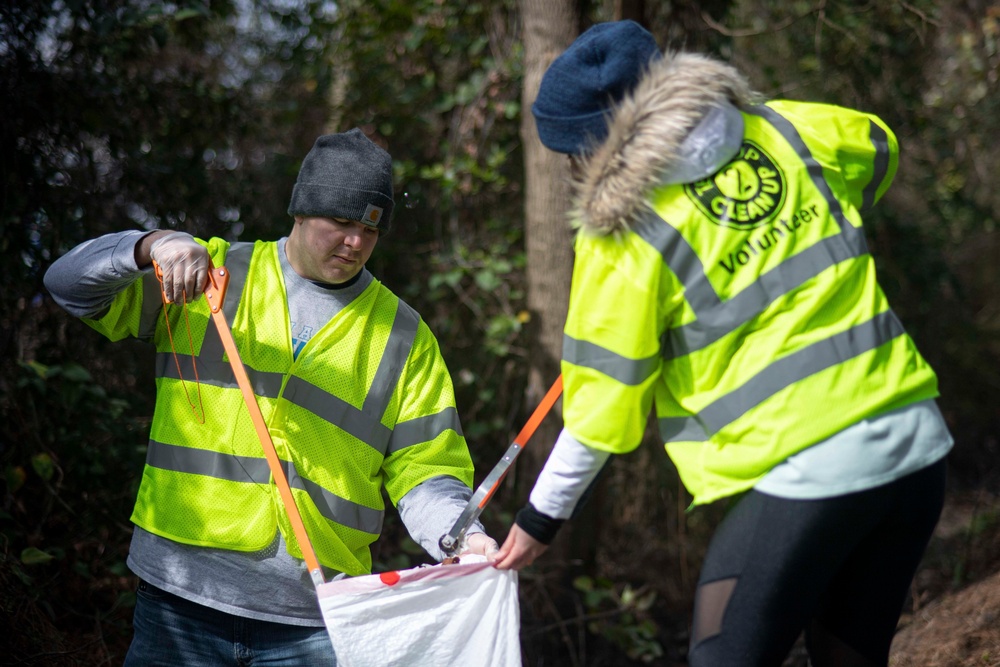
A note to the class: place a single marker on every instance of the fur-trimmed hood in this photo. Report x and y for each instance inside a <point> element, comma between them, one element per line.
<point>646,132</point>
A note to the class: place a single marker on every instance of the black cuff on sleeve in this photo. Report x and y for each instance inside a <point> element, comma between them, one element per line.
<point>540,526</point>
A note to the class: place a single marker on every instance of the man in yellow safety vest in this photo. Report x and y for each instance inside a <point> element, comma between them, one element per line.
<point>722,278</point>
<point>349,379</point>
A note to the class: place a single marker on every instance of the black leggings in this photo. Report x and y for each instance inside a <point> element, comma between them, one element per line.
<point>837,568</point>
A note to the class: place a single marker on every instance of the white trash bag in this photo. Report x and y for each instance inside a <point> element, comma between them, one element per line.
<point>465,615</point>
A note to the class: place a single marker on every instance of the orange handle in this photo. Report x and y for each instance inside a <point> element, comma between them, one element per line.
<point>215,293</point>
<point>542,409</point>
<point>451,542</point>
<point>551,396</point>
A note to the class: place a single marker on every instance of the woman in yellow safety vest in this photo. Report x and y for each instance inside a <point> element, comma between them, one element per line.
<point>722,278</point>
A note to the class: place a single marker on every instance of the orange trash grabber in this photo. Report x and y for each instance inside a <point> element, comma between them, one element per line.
<point>451,542</point>
<point>215,294</point>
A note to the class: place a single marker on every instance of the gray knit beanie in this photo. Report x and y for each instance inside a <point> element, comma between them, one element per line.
<point>345,176</point>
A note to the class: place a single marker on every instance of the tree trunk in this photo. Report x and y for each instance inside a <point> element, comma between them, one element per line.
<point>549,26</point>
<point>630,9</point>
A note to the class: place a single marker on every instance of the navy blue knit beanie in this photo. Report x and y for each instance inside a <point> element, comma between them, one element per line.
<point>596,71</point>
<point>345,176</point>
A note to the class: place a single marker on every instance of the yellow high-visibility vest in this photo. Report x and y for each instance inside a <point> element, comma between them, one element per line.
<point>368,400</point>
<point>744,306</point>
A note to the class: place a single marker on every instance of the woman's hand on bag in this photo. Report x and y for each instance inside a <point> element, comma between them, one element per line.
<point>519,550</point>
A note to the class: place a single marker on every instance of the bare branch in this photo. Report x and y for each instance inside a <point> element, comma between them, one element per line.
<point>844,31</point>
<point>822,20</point>
<point>923,17</point>
<point>749,32</point>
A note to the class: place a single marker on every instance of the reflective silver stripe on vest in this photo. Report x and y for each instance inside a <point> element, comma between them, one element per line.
<point>623,369</point>
<point>212,367</point>
<point>390,366</point>
<point>215,372</point>
<point>854,235</point>
<point>333,507</point>
<point>715,319</point>
<point>337,411</point>
<point>364,424</point>
<point>881,167</point>
<point>750,302</point>
<point>248,469</point>
<point>423,429</point>
<point>782,373</point>
<point>237,262</point>
<point>229,467</point>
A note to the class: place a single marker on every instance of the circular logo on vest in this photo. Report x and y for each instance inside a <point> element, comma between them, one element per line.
<point>746,193</point>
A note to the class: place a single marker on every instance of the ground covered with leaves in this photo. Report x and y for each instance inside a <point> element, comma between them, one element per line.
<point>955,621</point>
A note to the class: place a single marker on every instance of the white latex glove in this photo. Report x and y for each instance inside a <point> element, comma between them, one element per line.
<point>184,264</point>
<point>482,544</point>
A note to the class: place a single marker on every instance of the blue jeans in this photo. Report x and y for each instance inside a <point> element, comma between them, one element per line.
<point>172,631</point>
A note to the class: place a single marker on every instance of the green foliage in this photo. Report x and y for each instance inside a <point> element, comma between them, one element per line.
<point>485,282</point>
<point>133,115</point>
<point>440,84</point>
<point>623,617</point>
<point>35,556</point>
<point>49,463</point>
<point>71,459</point>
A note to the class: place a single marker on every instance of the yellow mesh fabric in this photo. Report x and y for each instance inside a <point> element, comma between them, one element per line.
<point>425,389</point>
<point>246,526</point>
<point>341,360</point>
<point>195,508</point>
<point>444,455</point>
<point>337,546</point>
<point>122,318</point>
